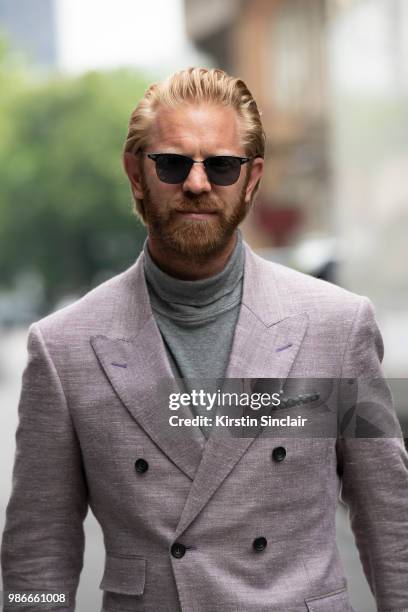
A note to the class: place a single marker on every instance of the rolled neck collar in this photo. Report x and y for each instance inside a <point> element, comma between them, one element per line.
<point>196,292</point>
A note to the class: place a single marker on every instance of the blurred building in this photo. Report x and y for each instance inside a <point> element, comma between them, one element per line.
<point>278,48</point>
<point>368,51</point>
<point>30,25</point>
<point>331,81</point>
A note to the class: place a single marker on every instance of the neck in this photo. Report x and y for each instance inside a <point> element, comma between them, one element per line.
<point>186,268</point>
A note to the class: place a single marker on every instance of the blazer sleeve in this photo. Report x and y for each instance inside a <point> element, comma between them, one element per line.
<point>374,474</point>
<point>43,541</point>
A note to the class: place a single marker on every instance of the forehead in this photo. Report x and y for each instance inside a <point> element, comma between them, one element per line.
<point>195,129</point>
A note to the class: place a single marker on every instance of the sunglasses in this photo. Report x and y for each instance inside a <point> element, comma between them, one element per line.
<point>221,169</point>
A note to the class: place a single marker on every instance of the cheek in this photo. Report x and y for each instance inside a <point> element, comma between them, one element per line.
<point>230,196</point>
<point>160,193</point>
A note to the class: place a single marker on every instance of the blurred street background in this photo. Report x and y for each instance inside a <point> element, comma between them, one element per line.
<point>331,80</point>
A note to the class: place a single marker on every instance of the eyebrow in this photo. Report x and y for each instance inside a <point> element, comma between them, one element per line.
<point>223,153</point>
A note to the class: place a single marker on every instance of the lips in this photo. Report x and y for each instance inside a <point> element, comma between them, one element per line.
<point>197,214</point>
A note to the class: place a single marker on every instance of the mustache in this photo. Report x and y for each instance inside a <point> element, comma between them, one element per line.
<point>197,204</point>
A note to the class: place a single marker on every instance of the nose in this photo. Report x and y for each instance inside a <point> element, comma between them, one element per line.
<point>197,180</point>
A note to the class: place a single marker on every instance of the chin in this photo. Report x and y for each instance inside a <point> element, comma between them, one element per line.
<point>198,239</point>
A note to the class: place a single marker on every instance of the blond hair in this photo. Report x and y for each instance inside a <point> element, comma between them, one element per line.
<point>196,85</point>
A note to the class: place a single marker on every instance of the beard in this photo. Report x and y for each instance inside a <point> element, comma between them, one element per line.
<point>195,239</point>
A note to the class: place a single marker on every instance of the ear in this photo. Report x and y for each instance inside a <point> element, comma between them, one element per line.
<point>133,168</point>
<point>255,175</point>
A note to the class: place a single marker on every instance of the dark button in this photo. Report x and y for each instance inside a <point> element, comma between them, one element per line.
<point>178,550</point>
<point>279,453</point>
<point>141,466</point>
<point>259,544</point>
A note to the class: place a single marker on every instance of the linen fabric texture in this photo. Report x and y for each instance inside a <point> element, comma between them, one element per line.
<point>89,408</point>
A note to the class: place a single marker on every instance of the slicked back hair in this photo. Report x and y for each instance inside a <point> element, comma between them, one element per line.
<point>195,86</point>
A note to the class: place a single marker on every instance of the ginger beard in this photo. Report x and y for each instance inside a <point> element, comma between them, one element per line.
<point>197,239</point>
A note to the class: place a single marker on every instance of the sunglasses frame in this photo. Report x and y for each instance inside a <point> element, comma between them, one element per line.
<point>242,160</point>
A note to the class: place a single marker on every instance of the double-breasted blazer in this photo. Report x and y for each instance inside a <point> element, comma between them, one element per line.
<point>229,524</point>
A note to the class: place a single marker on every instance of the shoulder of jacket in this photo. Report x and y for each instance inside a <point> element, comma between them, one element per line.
<point>90,311</point>
<point>308,291</point>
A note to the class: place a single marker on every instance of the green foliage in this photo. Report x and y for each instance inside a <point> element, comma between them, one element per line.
<point>65,203</point>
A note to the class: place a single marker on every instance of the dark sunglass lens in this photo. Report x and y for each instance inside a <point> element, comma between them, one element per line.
<point>172,168</point>
<point>223,170</point>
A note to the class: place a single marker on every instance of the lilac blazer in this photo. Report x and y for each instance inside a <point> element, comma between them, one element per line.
<point>181,516</point>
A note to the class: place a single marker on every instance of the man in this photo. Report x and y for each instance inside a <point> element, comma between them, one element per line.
<point>195,520</point>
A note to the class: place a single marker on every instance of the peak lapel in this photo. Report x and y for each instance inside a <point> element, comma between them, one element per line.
<point>266,343</point>
<point>137,367</point>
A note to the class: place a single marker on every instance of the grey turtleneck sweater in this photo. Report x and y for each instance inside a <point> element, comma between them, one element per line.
<point>197,318</point>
